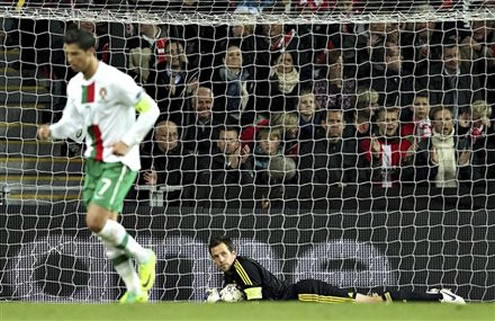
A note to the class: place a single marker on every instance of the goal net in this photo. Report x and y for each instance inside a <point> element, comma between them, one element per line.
<point>348,140</point>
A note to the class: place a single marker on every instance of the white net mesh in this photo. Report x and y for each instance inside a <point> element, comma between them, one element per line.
<point>350,141</point>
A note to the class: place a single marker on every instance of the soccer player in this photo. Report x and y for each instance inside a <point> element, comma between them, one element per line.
<point>101,108</point>
<point>258,283</point>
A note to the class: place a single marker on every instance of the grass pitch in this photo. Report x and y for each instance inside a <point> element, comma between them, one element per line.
<point>245,311</point>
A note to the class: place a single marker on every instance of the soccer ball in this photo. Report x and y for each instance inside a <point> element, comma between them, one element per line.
<point>230,293</point>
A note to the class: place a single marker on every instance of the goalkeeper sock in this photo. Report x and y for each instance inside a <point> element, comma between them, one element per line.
<point>405,296</point>
<point>115,234</point>
<point>124,267</point>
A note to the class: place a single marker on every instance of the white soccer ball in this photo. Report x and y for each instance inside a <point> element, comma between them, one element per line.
<point>230,293</point>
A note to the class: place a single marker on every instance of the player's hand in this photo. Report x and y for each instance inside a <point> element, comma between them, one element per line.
<point>44,132</point>
<point>212,296</point>
<point>120,148</point>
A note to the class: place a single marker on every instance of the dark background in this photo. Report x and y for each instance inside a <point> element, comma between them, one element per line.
<point>453,249</point>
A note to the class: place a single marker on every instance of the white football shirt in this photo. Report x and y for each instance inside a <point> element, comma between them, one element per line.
<point>102,110</point>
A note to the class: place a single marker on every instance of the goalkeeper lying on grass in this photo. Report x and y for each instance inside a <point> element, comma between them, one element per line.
<point>257,283</point>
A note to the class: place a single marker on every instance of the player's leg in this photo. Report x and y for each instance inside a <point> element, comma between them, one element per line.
<point>435,295</point>
<point>319,291</point>
<point>105,188</point>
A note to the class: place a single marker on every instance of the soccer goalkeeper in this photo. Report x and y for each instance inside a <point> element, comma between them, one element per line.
<point>101,108</point>
<point>258,283</point>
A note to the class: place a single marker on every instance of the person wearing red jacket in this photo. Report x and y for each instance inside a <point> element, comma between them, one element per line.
<point>386,150</point>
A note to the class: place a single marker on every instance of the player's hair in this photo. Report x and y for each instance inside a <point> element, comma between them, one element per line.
<point>437,109</point>
<point>84,39</point>
<point>217,240</point>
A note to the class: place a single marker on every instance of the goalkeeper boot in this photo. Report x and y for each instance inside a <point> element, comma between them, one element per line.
<point>147,272</point>
<point>131,297</point>
<point>448,296</point>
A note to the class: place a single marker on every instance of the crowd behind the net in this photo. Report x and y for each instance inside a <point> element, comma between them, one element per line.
<point>384,103</point>
<point>312,120</point>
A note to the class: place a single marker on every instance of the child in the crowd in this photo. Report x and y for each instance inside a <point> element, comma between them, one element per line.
<point>309,118</point>
<point>476,121</point>
<point>289,124</point>
<point>268,145</point>
<point>416,121</point>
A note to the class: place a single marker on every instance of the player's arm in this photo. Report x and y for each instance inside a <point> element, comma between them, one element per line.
<point>250,278</point>
<point>69,126</point>
<point>134,96</point>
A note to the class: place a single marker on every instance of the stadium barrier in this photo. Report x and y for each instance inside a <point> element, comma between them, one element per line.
<point>47,254</point>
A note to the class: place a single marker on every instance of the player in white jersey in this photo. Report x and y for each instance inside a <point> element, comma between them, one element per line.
<point>101,109</point>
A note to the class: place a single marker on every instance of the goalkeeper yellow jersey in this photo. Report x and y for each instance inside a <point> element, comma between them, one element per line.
<point>102,110</point>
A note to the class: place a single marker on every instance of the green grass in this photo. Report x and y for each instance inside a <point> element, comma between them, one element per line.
<point>246,311</point>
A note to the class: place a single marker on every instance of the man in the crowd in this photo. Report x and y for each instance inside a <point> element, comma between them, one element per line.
<point>386,150</point>
<point>450,83</point>
<point>200,122</point>
<point>330,159</point>
<point>387,77</point>
<point>168,162</point>
<point>444,158</point>
<point>231,163</point>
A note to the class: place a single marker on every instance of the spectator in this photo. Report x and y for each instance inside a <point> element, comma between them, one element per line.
<point>232,86</point>
<point>417,120</point>
<point>475,49</point>
<point>101,32</point>
<point>281,170</point>
<point>330,159</point>
<point>387,77</point>
<point>289,124</point>
<point>280,92</point>
<point>335,90</point>
<point>451,84</point>
<point>255,5</point>
<point>386,150</point>
<point>309,118</point>
<point>367,100</point>
<point>167,83</point>
<point>147,50</point>
<point>231,163</point>
<point>276,40</point>
<point>244,34</point>
<point>416,40</point>
<point>200,122</point>
<point>268,145</point>
<point>476,124</point>
<point>444,158</point>
<point>364,116</point>
<point>168,162</point>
